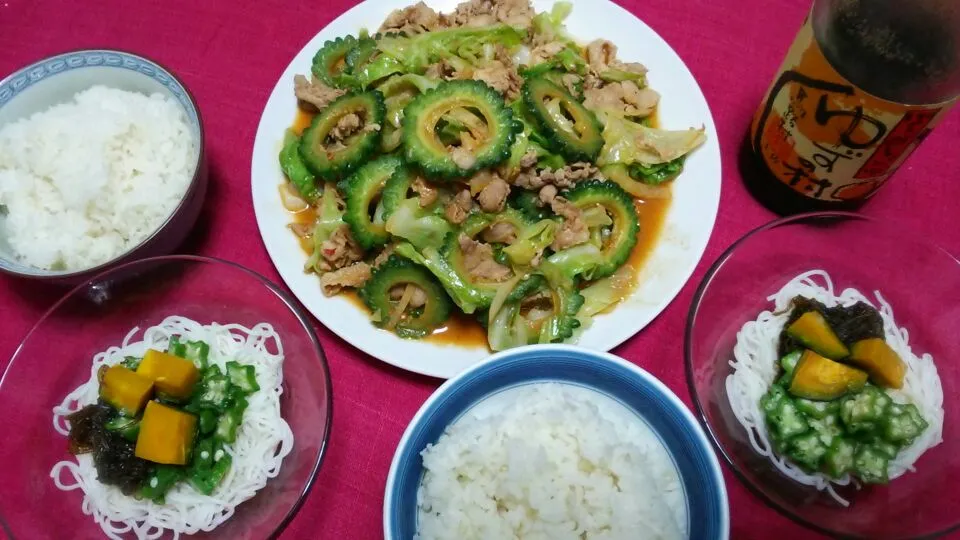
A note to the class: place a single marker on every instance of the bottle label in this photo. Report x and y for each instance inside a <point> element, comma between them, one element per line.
<point>827,139</point>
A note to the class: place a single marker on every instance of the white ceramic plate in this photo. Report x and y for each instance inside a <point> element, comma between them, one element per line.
<point>683,239</point>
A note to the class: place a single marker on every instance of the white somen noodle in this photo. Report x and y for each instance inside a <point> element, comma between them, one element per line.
<point>755,368</point>
<point>263,441</point>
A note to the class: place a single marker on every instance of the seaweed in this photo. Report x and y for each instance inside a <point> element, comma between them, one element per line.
<point>851,323</point>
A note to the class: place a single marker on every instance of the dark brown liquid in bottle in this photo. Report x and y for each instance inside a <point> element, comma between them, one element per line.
<point>769,191</point>
<point>889,49</point>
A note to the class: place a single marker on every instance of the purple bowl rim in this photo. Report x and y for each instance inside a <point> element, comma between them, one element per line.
<point>291,303</point>
<point>198,170</point>
<point>688,360</point>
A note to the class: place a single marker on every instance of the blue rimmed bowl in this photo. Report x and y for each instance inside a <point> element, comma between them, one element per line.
<point>57,79</point>
<point>654,404</point>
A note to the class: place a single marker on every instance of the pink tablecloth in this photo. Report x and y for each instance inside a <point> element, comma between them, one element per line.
<point>230,54</point>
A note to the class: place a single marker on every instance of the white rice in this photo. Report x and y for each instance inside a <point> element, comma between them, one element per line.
<point>550,461</point>
<point>755,369</point>
<point>263,440</point>
<point>85,181</point>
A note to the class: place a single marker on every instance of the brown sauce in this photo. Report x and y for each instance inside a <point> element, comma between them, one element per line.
<point>464,330</point>
<point>301,121</point>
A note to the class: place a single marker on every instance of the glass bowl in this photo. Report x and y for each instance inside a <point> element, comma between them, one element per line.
<point>922,284</point>
<point>55,357</point>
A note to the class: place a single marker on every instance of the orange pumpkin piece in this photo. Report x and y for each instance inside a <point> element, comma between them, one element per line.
<point>884,365</point>
<point>819,378</point>
<point>125,390</point>
<point>166,435</point>
<point>814,332</point>
<point>174,376</point>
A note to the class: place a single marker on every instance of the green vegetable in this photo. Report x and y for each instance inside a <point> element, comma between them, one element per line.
<point>331,160</point>
<point>329,219</point>
<point>197,352</point>
<point>827,428</point>
<point>786,420</point>
<point>886,449</point>
<point>548,26</point>
<point>629,142</point>
<point>618,204</point>
<point>528,202</point>
<point>606,292</point>
<point>206,471</point>
<point>420,227</point>
<point>398,272</point>
<point>452,252</point>
<point>789,363</point>
<point>527,286</point>
<point>620,75</point>
<point>329,63</point>
<point>467,296</point>
<point>870,465</point>
<point>126,426</point>
<point>213,391</point>
<point>902,424</point>
<point>657,174</point>
<point>817,409</point>
<point>361,191</point>
<point>512,327</point>
<point>243,377</point>
<point>478,222</point>
<point>862,412</point>
<point>807,450</point>
<point>295,170</point>
<point>460,47</point>
<point>398,91</point>
<point>838,460</point>
<point>531,241</point>
<point>358,57</point>
<point>230,420</point>
<point>772,399</point>
<point>562,269</point>
<point>491,127</point>
<point>161,479</point>
<point>175,347</point>
<point>563,322</point>
<point>206,420</point>
<point>509,329</point>
<point>571,129</point>
<point>131,362</point>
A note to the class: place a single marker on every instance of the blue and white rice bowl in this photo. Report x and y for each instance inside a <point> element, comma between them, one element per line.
<point>58,79</point>
<point>610,378</point>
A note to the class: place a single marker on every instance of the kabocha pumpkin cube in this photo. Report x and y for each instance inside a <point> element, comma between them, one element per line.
<point>174,376</point>
<point>814,332</point>
<point>819,378</point>
<point>125,390</point>
<point>166,435</point>
<point>884,365</point>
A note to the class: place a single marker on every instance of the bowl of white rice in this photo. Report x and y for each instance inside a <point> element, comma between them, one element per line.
<point>101,162</point>
<point>554,442</point>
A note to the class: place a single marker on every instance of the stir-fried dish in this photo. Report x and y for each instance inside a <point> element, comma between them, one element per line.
<point>480,161</point>
<point>162,419</point>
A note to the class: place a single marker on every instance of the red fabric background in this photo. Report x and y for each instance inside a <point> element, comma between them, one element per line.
<point>230,54</point>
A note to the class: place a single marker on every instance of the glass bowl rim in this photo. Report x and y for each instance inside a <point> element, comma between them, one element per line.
<point>688,361</point>
<point>288,300</point>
